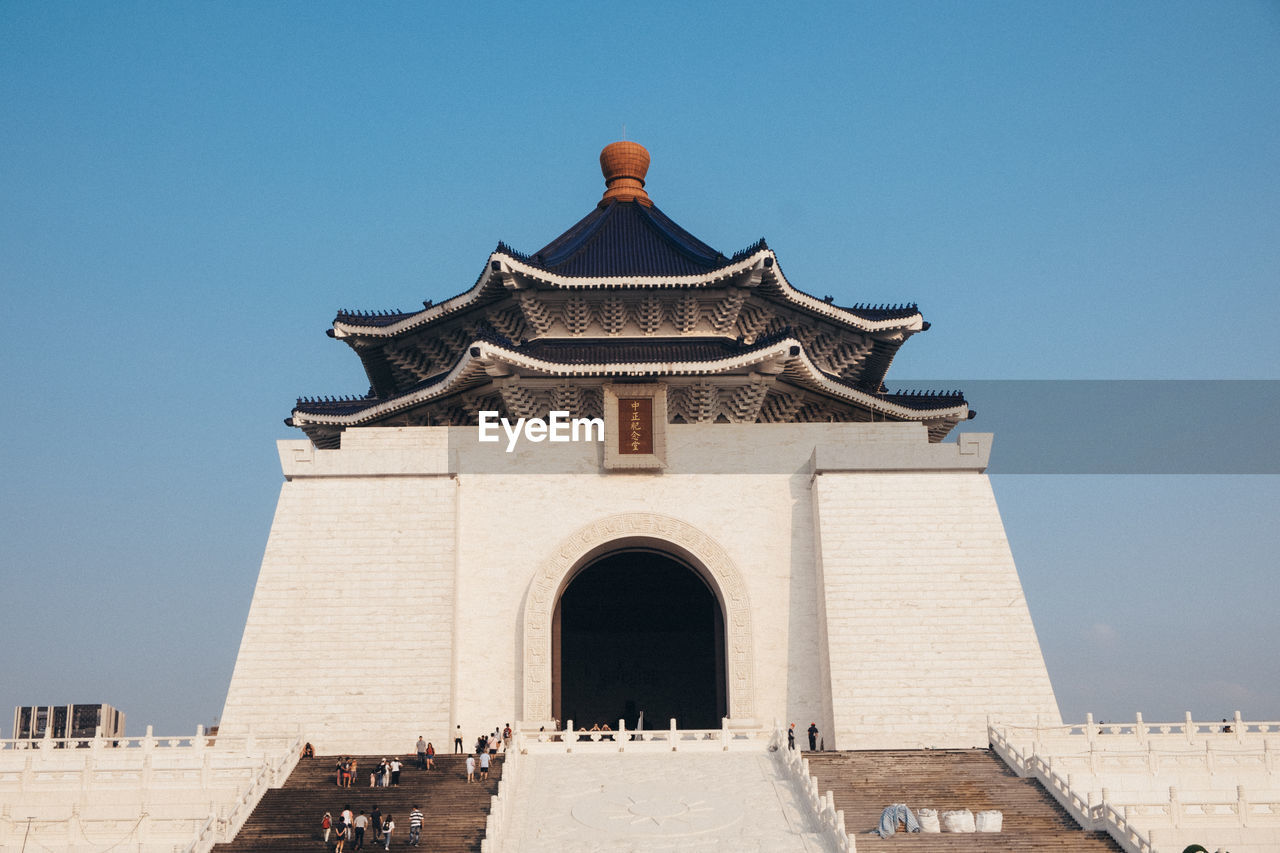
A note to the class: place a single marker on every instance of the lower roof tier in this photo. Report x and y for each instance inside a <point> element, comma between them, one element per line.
<point>710,380</point>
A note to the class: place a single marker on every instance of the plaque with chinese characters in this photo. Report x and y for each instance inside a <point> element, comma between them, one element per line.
<point>635,425</point>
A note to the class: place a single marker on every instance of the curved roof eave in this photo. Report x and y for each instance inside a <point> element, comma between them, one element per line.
<point>509,264</point>
<point>789,349</point>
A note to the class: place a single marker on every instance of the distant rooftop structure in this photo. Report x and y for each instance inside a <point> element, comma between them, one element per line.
<point>626,293</point>
<point>66,721</point>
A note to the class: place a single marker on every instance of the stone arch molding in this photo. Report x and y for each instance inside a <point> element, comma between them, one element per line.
<point>628,529</point>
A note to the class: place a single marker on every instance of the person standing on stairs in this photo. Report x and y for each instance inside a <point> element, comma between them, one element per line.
<point>362,822</point>
<point>415,826</point>
<point>388,826</point>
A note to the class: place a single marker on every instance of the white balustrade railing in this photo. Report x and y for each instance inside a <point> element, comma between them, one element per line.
<point>1139,734</point>
<point>223,824</point>
<point>502,805</point>
<point>148,741</point>
<point>729,736</point>
<point>1088,815</point>
<point>1144,755</point>
<point>196,787</point>
<point>51,746</point>
<point>823,806</point>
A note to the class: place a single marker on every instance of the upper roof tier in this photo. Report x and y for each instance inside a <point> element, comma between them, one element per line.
<point>626,242</point>
<point>627,292</point>
<point>626,238</point>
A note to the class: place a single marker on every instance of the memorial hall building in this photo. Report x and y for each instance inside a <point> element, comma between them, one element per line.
<point>649,504</point>
<point>714,507</point>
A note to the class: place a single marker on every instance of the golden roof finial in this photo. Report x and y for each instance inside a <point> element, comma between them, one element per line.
<point>624,165</point>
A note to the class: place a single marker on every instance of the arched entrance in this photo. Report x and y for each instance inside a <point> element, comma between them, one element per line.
<point>637,531</point>
<point>638,631</point>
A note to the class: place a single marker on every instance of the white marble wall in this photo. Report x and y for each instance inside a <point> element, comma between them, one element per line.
<point>352,633</point>
<point>928,630</point>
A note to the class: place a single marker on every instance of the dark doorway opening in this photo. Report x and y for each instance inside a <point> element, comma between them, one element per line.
<point>638,631</point>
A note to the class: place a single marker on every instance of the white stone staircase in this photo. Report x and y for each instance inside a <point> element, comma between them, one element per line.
<point>699,794</point>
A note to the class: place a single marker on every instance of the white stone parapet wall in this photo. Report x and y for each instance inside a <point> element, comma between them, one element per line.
<point>145,794</point>
<point>927,629</point>
<point>1159,787</point>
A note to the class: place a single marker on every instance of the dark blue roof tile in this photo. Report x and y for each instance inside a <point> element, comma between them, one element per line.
<point>626,238</point>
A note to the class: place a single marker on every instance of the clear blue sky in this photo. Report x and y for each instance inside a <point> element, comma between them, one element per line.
<point>1086,190</point>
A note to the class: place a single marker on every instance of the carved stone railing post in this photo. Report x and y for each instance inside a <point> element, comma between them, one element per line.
<point>1089,730</point>
<point>199,742</point>
<point>724,733</point>
<point>1140,729</point>
<point>1238,728</point>
<point>622,735</point>
<point>1189,728</point>
<point>674,737</point>
<point>149,740</point>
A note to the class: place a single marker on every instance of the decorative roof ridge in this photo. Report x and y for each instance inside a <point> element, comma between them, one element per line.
<point>928,400</point>
<point>511,252</point>
<point>474,355</point>
<point>924,393</point>
<point>866,318</point>
<point>374,318</point>
<point>758,246</point>
<point>343,398</point>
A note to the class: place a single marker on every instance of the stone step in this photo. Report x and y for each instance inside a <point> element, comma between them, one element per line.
<point>454,811</point>
<point>864,782</point>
